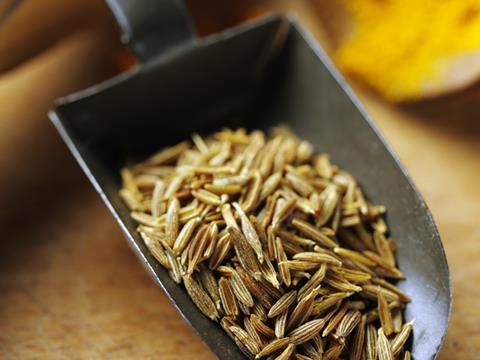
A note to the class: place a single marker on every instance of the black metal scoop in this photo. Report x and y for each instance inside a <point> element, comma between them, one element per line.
<point>256,75</point>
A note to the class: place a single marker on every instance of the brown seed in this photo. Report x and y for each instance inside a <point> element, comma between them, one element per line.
<point>227,297</point>
<point>253,193</point>
<point>262,233</point>
<point>273,347</point>
<point>207,197</point>
<point>298,265</point>
<point>272,250</point>
<point>283,267</point>
<point>328,201</point>
<point>200,144</point>
<point>145,219</point>
<point>200,297</point>
<point>269,273</point>
<point>270,185</point>
<point>156,249</point>
<point>212,240</point>
<point>383,248</point>
<point>313,233</point>
<point>185,235</point>
<point>172,221</point>
<point>385,315</point>
<point>290,237</point>
<point>157,205</point>
<point>401,338</point>
<point>282,304</point>
<point>209,283</point>
<point>228,216</point>
<point>334,321</point>
<point>328,302</point>
<point>313,282</point>
<point>397,319</point>
<point>306,331</point>
<point>243,337</point>
<point>354,256</point>
<point>384,349</point>
<point>348,323</point>
<point>356,347</point>
<point>260,326</point>
<point>210,170</point>
<point>221,250</point>
<point>197,247</point>
<point>304,152</point>
<point>371,342</point>
<point>305,206</point>
<point>302,311</point>
<point>219,189</point>
<point>339,283</point>
<point>352,275</point>
<point>280,324</point>
<point>231,180</point>
<point>249,232</point>
<point>252,332</point>
<point>317,257</point>
<point>299,184</point>
<point>245,253</point>
<point>240,290</point>
<point>282,211</point>
<point>268,210</point>
<point>175,272</point>
<point>266,163</point>
<point>222,156</point>
<point>174,185</point>
<point>254,287</point>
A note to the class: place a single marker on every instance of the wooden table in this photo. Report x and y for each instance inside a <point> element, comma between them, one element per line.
<point>70,288</point>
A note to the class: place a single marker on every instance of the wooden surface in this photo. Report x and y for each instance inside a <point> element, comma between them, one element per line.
<point>70,288</point>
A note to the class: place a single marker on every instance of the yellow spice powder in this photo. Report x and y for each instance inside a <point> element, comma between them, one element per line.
<point>397,46</point>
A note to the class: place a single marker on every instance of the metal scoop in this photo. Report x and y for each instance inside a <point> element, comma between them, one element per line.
<point>257,75</point>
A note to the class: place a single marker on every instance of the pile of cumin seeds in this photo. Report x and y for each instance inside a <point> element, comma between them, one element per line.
<point>275,243</point>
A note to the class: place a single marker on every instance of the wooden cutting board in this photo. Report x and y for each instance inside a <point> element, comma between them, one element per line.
<point>70,288</point>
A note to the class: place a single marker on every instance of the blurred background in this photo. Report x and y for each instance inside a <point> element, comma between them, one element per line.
<point>70,289</point>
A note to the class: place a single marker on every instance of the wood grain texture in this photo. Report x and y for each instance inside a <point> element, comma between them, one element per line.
<point>70,288</point>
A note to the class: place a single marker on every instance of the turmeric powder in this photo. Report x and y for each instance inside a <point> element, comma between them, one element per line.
<point>398,46</point>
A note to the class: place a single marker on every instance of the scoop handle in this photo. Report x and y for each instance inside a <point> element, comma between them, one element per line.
<point>152,27</point>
